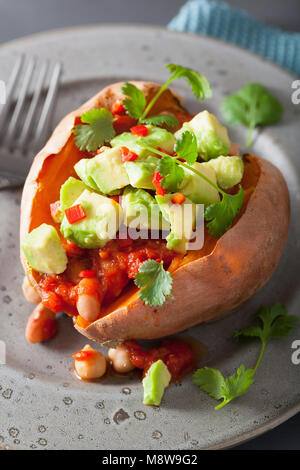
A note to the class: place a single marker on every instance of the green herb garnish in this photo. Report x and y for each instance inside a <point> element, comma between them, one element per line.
<point>275,323</point>
<point>252,106</point>
<point>96,130</point>
<point>154,281</point>
<point>136,106</point>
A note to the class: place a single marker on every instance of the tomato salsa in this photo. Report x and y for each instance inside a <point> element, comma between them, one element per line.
<point>176,354</point>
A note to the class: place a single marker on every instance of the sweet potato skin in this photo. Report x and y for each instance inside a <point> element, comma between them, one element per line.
<point>203,289</point>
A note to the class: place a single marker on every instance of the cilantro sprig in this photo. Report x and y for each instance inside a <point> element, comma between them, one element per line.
<point>135,103</point>
<point>97,128</point>
<point>252,106</point>
<point>274,323</point>
<point>220,215</point>
<point>154,281</point>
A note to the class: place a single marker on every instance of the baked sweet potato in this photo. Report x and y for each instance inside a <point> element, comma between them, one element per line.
<point>206,283</point>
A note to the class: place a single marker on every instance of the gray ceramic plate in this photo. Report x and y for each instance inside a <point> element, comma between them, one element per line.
<point>41,404</point>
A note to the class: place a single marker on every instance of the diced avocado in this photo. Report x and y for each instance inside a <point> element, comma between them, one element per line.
<point>140,172</point>
<point>229,170</point>
<point>70,191</point>
<point>81,170</point>
<point>141,210</point>
<point>156,381</point>
<point>182,218</point>
<point>196,188</point>
<point>212,137</point>
<point>107,171</point>
<point>43,250</point>
<point>156,137</point>
<point>102,222</point>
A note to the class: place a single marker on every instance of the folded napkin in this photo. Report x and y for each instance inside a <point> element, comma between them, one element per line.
<point>217,19</point>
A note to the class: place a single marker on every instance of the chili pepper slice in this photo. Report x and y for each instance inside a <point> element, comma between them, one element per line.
<point>75,213</point>
<point>156,180</point>
<point>127,155</point>
<point>140,130</point>
<point>178,198</point>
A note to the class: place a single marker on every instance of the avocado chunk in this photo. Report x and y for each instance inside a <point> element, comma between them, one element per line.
<point>102,221</point>
<point>141,210</point>
<point>157,137</point>
<point>43,250</point>
<point>81,170</point>
<point>107,171</point>
<point>70,191</point>
<point>182,217</point>
<point>229,170</point>
<point>196,188</point>
<point>140,172</point>
<point>156,381</point>
<point>212,137</point>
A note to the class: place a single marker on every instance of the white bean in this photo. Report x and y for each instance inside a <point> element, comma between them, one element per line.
<point>120,359</point>
<point>41,325</point>
<point>88,307</point>
<point>93,367</point>
<point>29,292</point>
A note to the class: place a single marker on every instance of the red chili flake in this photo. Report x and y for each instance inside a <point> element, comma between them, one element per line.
<point>127,155</point>
<point>178,198</point>
<point>156,180</point>
<point>140,130</point>
<point>75,213</point>
<point>84,355</point>
<point>118,108</point>
<point>87,273</point>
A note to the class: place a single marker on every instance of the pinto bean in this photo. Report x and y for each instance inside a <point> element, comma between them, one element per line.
<point>41,325</point>
<point>29,292</point>
<point>91,367</point>
<point>120,359</point>
<point>88,307</point>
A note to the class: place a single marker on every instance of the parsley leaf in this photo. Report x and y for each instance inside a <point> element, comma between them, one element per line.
<point>186,147</point>
<point>252,106</point>
<point>170,121</point>
<point>135,101</point>
<point>221,214</point>
<point>215,385</point>
<point>173,174</point>
<point>97,129</point>
<point>198,82</point>
<point>155,283</point>
<point>275,324</point>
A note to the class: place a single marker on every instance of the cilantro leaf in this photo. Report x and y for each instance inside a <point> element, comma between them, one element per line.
<point>97,129</point>
<point>135,101</point>
<point>221,214</point>
<point>173,174</point>
<point>275,324</point>
<point>186,147</point>
<point>252,106</point>
<point>155,283</point>
<point>170,121</point>
<point>215,385</point>
<point>198,82</point>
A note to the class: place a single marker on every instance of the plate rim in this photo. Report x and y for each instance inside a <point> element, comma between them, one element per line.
<point>288,412</point>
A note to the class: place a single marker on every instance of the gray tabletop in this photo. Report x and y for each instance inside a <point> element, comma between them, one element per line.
<point>22,17</point>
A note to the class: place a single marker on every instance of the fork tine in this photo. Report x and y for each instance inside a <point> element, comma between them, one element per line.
<point>33,105</point>
<point>20,103</point>
<point>49,102</point>
<point>10,89</point>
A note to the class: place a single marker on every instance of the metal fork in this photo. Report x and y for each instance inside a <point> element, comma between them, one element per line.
<point>24,120</point>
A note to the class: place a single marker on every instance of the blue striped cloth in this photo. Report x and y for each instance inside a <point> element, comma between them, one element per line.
<point>217,19</point>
